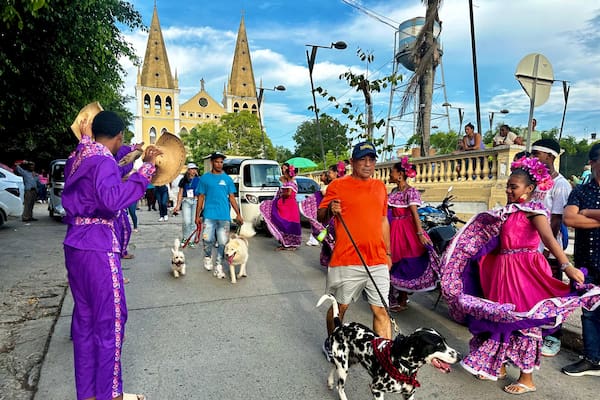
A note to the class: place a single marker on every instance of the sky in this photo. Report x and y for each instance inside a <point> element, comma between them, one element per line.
<point>200,39</point>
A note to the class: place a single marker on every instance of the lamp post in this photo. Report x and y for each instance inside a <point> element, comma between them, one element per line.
<point>461,115</point>
<point>491,116</point>
<point>310,59</point>
<point>259,99</point>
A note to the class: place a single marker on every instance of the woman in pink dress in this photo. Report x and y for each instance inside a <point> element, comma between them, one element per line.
<point>521,296</point>
<point>414,263</point>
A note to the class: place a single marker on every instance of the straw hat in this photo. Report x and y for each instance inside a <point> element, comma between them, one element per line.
<point>171,161</point>
<point>86,113</point>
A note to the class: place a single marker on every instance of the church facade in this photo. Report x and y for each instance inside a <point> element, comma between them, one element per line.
<point>158,103</point>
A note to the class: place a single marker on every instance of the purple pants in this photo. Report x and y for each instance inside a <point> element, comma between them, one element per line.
<point>98,322</point>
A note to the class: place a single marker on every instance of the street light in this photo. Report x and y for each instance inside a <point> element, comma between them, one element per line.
<point>310,59</point>
<point>461,115</point>
<point>259,99</point>
<point>491,116</point>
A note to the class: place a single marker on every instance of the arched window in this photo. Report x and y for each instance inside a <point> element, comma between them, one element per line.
<point>254,109</point>
<point>152,135</point>
<point>236,107</point>
<point>245,107</point>
<point>168,103</point>
<point>157,102</point>
<point>147,101</point>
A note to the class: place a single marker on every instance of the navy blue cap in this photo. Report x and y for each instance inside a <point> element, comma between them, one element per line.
<point>363,149</point>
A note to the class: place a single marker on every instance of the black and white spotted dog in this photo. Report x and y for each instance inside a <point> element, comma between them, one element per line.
<point>393,364</point>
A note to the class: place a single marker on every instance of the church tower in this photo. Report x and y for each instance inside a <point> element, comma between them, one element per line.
<point>240,93</point>
<point>157,90</point>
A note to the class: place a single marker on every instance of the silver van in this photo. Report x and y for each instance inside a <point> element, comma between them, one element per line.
<point>56,184</point>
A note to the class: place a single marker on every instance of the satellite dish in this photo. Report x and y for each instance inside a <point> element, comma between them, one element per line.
<point>536,77</point>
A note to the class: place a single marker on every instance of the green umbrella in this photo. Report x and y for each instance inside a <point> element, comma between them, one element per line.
<point>301,162</point>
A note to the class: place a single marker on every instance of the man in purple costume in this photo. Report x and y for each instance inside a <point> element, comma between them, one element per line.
<point>93,196</point>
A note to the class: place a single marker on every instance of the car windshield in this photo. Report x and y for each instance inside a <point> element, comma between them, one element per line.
<point>307,185</point>
<point>262,175</point>
<point>58,172</point>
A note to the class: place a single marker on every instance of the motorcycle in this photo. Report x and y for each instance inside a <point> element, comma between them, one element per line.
<point>440,222</point>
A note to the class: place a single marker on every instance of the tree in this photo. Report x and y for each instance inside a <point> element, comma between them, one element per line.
<point>245,135</point>
<point>54,60</point>
<point>442,142</point>
<point>236,134</point>
<point>333,133</point>
<point>282,154</point>
<point>204,139</point>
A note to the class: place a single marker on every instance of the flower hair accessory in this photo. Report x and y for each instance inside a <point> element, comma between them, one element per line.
<point>409,169</point>
<point>341,169</point>
<point>537,170</point>
<point>292,171</point>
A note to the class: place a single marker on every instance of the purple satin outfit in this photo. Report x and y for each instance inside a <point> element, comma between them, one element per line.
<point>93,197</point>
<point>123,226</point>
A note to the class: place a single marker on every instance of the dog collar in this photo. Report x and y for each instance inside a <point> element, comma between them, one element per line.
<point>382,349</point>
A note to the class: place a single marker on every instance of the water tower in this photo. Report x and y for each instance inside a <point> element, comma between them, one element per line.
<point>403,123</point>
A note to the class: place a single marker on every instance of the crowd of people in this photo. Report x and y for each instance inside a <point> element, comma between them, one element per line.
<point>505,274</point>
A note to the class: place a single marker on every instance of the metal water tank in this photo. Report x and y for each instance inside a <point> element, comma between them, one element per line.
<point>407,35</point>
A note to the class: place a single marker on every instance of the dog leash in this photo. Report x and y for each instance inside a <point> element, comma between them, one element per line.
<point>383,301</point>
<point>187,241</point>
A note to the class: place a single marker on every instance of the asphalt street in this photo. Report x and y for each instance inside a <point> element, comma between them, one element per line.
<point>198,337</point>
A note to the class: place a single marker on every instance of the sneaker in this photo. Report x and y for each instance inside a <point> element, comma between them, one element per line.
<point>161,219</point>
<point>166,218</point>
<point>312,241</point>
<point>219,272</point>
<point>208,263</point>
<point>551,346</point>
<point>327,350</point>
<point>581,368</point>
<point>191,245</point>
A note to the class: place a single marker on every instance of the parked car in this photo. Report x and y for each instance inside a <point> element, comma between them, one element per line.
<point>306,187</point>
<point>12,192</point>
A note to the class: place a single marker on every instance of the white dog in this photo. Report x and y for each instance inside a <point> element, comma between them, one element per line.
<point>177,260</point>
<point>236,252</point>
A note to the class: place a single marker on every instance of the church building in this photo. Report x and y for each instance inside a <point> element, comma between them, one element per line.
<point>158,106</point>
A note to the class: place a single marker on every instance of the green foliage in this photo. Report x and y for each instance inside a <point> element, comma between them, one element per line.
<point>282,154</point>
<point>442,142</point>
<point>236,134</point>
<point>334,137</point>
<point>14,11</point>
<point>64,55</point>
<point>204,139</point>
<point>363,124</point>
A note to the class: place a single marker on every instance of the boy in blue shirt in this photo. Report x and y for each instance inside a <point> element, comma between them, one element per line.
<point>215,194</point>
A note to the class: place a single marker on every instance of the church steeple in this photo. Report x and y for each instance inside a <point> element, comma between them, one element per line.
<point>241,80</point>
<point>156,71</point>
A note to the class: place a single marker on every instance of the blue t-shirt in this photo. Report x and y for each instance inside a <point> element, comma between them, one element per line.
<point>216,189</point>
<point>186,185</point>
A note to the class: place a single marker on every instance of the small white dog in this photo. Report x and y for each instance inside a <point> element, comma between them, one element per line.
<point>236,252</point>
<point>177,260</point>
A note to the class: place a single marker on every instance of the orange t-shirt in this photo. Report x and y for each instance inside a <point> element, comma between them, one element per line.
<point>364,204</point>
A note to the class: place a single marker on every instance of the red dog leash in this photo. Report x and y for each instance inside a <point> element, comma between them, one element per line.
<point>196,240</point>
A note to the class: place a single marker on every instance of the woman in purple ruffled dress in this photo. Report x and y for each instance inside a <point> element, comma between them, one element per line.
<point>281,214</point>
<point>495,280</point>
<point>310,205</point>
<point>414,263</point>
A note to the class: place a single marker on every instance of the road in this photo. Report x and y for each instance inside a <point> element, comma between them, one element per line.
<point>197,337</point>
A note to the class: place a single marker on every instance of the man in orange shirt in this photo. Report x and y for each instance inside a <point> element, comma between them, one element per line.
<point>362,202</point>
